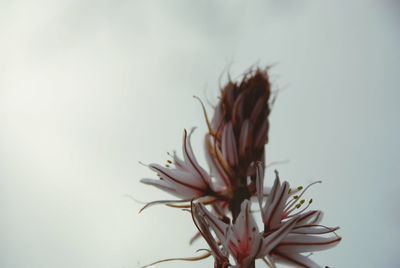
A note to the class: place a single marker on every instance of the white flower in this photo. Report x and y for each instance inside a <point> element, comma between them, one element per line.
<point>184,178</point>
<point>241,240</point>
<point>287,232</point>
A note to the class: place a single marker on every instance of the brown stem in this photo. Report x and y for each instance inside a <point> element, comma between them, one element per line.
<point>241,193</point>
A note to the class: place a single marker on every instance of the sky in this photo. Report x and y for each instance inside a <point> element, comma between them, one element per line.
<point>90,88</point>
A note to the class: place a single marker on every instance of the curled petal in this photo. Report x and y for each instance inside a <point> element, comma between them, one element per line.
<point>163,202</point>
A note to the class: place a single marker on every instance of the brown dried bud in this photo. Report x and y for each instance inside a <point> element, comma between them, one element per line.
<point>239,128</point>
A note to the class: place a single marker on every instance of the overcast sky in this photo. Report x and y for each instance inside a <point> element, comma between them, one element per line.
<point>89,88</point>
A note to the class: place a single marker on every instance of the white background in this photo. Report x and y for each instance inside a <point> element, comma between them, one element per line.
<point>89,88</point>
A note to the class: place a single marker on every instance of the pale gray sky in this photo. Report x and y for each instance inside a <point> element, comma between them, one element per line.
<point>89,88</point>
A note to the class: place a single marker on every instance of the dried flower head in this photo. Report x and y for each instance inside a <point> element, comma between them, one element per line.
<point>238,133</point>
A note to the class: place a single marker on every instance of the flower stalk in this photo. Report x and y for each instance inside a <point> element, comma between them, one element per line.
<point>235,154</point>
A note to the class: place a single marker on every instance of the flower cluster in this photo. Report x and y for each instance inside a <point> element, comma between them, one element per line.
<point>235,153</point>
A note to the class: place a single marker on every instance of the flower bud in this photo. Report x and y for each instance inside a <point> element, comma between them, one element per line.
<point>239,127</point>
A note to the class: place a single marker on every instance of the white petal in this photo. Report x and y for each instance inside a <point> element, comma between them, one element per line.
<point>274,238</point>
<point>307,243</point>
<point>314,229</point>
<point>203,227</point>
<point>163,185</point>
<point>260,186</point>
<point>190,158</point>
<point>217,171</point>
<point>272,193</point>
<point>297,260</point>
<point>176,190</point>
<point>311,217</point>
<point>245,240</point>
<point>219,227</point>
<point>274,210</point>
<point>180,177</point>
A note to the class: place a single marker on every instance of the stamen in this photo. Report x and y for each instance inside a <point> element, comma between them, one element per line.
<point>293,201</point>
<point>301,211</point>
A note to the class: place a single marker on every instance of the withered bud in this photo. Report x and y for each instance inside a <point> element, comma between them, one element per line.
<point>239,127</point>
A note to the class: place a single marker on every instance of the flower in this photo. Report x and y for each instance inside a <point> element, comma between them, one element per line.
<point>286,236</point>
<point>235,154</point>
<point>185,178</point>
<point>235,142</point>
<point>287,232</point>
<point>241,240</point>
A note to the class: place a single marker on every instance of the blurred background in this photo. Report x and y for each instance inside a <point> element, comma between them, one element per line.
<point>89,88</point>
